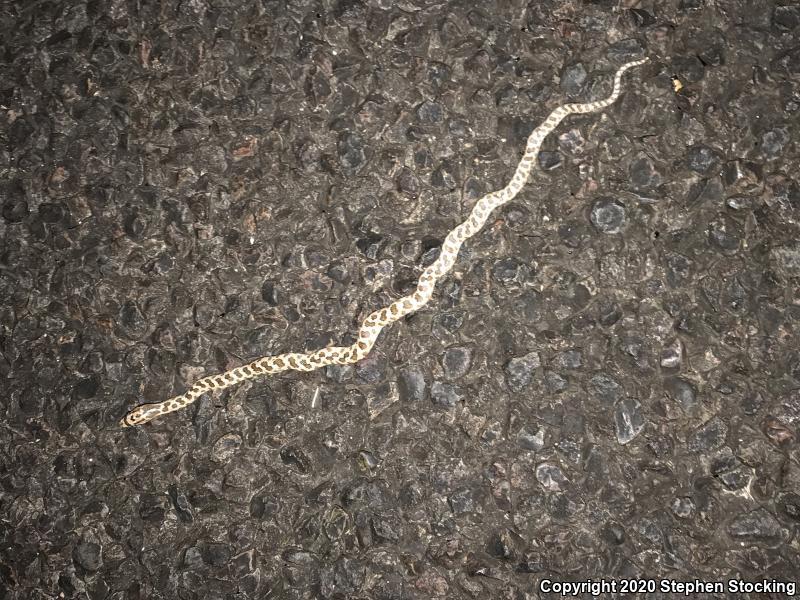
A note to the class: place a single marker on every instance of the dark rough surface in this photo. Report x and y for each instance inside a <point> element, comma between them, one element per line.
<point>607,385</point>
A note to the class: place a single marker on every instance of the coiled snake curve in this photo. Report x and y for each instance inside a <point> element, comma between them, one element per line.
<point>375,322</point>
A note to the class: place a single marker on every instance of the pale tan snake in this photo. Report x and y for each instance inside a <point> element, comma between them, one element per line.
<point>375,322</point>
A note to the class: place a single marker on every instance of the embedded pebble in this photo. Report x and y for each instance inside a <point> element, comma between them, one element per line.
<point>382,397</point>
<point>683,507</point>
<point>408,182</point>
<point>549,161</point>
<point>672,355</point>
<point>226,447</point>
<point>339,373</point>
<point>456,362</point>
<point>573,78</point>
<point>682,392</point>
<point>758,525</point>
<point>412,384</point>
<point>506,270</point>
<point>786,17</point>
<point>628,419</point>
<point>773,142</point>
<point>351,151</point>
<point>605,388</point>
<point>555,382</point>
<point>88,556</point>
<point>15,210</point>
<point>531,438</point>
<point>730,471</point>
<point>790,506</point>
<point>551,477</point>
<point>445,395</point>
<point>702,159</point>
<point>709,436</point>
<point>430,112</point>
<point>372,369</point>
<point>520,370</point>
<point>568,359</point>
<point>643,173</point>
<point>608,216</point>
<point>739,202</point>
<point>462,501</point>
<point>787,258</point>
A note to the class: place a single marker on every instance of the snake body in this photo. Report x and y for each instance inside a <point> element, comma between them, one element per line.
<point>375,322</point>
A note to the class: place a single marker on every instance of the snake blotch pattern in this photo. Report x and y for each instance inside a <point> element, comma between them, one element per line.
<point>375,322</point>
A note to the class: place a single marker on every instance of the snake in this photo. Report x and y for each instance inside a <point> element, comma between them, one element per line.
<point>371,326</point>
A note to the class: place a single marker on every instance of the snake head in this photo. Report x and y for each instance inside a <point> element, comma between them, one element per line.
<point>141,414</point>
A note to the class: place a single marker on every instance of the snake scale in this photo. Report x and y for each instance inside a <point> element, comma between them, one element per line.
<point>375,322</point>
